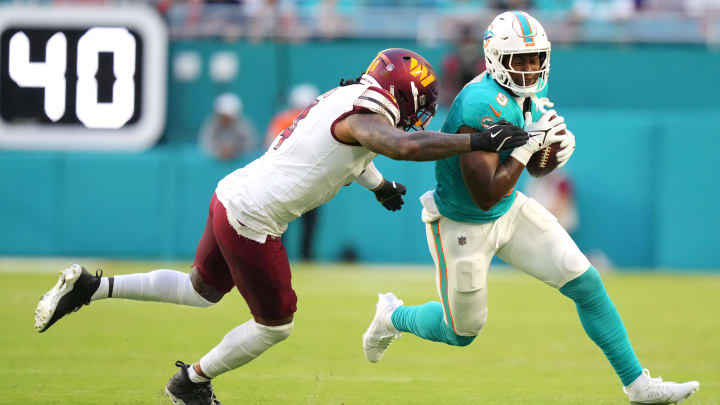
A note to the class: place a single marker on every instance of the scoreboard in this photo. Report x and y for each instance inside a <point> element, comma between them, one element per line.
<point>82,77</point>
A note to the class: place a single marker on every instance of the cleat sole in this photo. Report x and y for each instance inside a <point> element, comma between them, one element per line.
<point>49,301</point>
<point>172,397</point>
<point>694,390</point>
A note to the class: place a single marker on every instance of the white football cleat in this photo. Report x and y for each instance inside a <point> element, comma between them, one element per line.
<point>647,390</point>
<point>74,288</point>
<point>381,331</point>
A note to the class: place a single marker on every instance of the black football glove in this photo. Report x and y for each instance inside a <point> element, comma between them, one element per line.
<point>389,194</point>
<point>502,135</point>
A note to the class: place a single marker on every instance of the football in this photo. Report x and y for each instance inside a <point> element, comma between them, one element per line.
<point>544,161</point>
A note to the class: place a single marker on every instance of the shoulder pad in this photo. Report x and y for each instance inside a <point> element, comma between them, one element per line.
<point>379,101</point>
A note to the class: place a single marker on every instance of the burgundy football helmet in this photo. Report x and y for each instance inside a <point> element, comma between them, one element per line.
<point>411,80</point>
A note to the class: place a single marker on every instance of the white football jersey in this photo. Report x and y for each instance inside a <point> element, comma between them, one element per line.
<point>306,165</point>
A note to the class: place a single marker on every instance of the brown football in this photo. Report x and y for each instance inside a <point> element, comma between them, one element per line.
<point>543,161</point>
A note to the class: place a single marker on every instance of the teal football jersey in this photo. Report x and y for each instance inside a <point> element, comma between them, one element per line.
<point>479,104</point>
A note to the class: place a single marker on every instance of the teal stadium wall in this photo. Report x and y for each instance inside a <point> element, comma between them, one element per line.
<point>643,169</point>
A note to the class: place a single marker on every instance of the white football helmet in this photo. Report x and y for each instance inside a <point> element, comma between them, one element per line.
<point>512,33</point>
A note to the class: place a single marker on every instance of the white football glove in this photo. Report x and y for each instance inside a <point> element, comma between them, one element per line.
<point>542,133</point>
<point>567,147</point>
<point>542,103</point>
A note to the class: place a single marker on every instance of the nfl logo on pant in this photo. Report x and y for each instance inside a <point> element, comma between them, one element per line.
<point>462,240</point>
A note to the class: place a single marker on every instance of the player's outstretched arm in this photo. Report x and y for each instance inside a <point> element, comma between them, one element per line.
<point>375,133</point>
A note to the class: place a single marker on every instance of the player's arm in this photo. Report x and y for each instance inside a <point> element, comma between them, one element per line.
<point>486,179</point>
<point>376,133</point>
<point>388,193</point>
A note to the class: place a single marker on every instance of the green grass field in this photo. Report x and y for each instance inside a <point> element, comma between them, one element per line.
<point>532,351</point>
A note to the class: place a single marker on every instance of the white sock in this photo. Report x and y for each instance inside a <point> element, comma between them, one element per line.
<point>195,377</point>
<point>641,383</point>
<point>102,291</point>
<point>159,285</point>
<point>241,345</point>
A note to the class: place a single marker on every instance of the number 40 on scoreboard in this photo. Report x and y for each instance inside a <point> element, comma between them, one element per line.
<point>81,77</point>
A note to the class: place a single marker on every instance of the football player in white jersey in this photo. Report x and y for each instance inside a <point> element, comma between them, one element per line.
<point>475,213</point>
<point>331,143</point>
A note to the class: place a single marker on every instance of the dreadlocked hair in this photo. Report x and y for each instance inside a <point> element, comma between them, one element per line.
<point>347,82</point>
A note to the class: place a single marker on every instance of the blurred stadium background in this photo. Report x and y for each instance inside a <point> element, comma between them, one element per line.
<point>637,81</point>
<point>632,78</point>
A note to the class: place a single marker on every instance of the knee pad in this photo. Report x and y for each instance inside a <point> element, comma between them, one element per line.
<point>275,334</point>
<point>471,324</point>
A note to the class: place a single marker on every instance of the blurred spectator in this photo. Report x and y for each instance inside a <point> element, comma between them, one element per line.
<point>640,4</point>
<point>461,65</point>
<point>708,14</point>
<point>603,10</point>
<point>330,24</point>
<point>503,5</point>
<point>300,97</point>
<point>556,193</point>
<point>272,19</point>
<point>226,133</point>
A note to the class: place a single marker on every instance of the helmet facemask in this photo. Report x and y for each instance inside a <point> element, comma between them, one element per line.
<point>424,114</point>
<point>524,86</point>
<point>424,109</point>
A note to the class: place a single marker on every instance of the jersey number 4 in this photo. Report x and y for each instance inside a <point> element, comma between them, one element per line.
<point>285,134</point>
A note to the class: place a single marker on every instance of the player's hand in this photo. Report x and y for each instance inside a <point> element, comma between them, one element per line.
<point>542,103</point>
<point>500,136</point>
<point>567,147</point>
<point>389,194</point>
<point>544,131</point>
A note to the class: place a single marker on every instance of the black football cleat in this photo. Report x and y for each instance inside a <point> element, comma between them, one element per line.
<point>183,391</point>
<point>74,289</point>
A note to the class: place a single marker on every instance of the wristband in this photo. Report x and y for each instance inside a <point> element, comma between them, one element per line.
<point>522,154</point>
<point>370,178</point>
<point>477,141</point>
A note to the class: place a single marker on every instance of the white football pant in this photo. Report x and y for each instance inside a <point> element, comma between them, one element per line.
<point>528,237</point>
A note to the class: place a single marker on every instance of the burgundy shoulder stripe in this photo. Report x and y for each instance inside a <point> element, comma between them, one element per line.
<point>386,94</point>
<point>381,105</point>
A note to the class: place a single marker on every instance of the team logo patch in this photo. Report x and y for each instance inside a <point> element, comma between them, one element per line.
<point>421,72</point>
<point>486,121</point>
<point>462,240</point>
<point>488,34</point>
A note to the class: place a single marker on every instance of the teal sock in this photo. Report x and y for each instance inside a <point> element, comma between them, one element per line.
<point>426,321</point>
<point>602,323</point>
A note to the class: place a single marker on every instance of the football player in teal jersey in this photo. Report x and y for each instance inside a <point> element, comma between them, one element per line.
<point>475,213</point>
